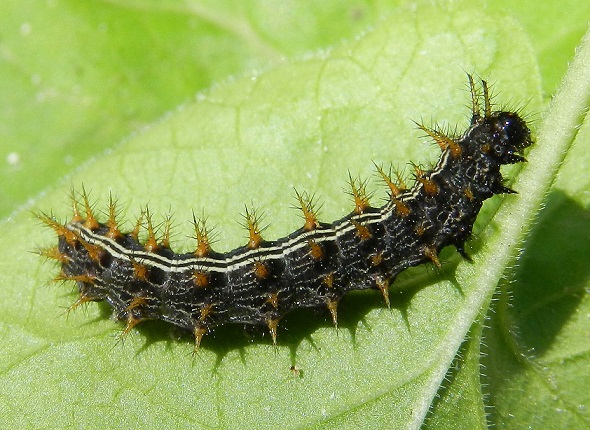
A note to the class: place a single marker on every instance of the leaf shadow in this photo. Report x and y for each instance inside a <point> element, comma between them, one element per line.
<point>552,275</point>
<point>535,304</point>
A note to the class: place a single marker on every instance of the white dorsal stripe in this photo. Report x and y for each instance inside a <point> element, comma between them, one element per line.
<point>277,249</point>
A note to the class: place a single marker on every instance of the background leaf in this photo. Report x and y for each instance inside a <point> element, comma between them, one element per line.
<point>290,118</point>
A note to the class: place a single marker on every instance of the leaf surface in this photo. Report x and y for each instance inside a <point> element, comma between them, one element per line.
<point>303,123</point>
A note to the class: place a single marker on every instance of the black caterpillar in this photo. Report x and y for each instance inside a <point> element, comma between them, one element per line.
<point>315,266</point>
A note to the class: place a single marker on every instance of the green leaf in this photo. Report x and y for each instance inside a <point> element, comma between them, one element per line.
<point>303,123</point>
<point>78,77</point>
<point>554,32</point>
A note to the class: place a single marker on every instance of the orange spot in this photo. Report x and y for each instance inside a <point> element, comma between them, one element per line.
<point>383,285</point>
<point>306,205</point>
<point>202,234</point>
<point>273,324</point>
<point>333,308</point>
<point>254,231</point>
<point>468,192</point>
<point>261,270</point>
<point>206,311</point>
<point>420,230</point>
<point>430,187</point>
<point>202,249</point>
<point>401,209</point>
<point>328,280</point>
<point>431,254</point>
<point>151,244</point>
<point>140,271</point>
<point>132,321</point>
<point>376,259</point>
<point>359,194</point>
<point>273,299</point>
<point>199,332</point>
<point>361,230</point>
<point>315,250</point>
<point>201,278</point>
<point>95,252</point>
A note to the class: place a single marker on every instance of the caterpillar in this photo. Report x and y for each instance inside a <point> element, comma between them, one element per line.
<point>315,266</point>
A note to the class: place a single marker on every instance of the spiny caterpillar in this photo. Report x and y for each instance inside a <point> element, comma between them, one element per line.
<point>316,265</point>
